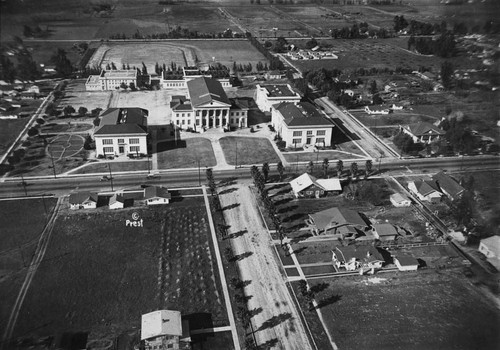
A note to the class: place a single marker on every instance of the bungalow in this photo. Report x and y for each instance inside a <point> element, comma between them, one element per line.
<point>154,195</point>
<point>340,222</point>
<point>353,258</point>
<point>490,247</point>
<point>423,132</point>
<point>385,232</point>
<point>406,263</point>
<point>116,202</point>
<point>83,200</point>
<point>308,186</point>
<point>399,201</point>
<point>164,329</point>
<point>448,185</point>
<point>425,190</point>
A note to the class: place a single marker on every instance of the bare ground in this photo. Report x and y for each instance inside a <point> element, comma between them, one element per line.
<point>278,323</point>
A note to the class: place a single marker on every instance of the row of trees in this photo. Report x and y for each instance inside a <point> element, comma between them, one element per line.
<point>177,33</point>
<point>354,171</point>
<point>359,31</point>
<point>443,46</point>
<point>274,62</point>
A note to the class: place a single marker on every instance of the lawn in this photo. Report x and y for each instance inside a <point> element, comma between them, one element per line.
<point>107,274</point>
<point>65,127</point>
<point>18,243</point>
<point>186,154</point>
<point>318,157</point>
<point>425,310</point>
<point>102,167</point>
<point>9,130</point>
<point>245,148</point>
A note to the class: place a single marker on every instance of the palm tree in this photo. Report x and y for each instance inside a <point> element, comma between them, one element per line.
<point>340,167</point>
<point>368,167</point>
<point>325,167</point>
<point>354,169</point>
<point>310,167</point>
<point>265,171</point>
<point>281,169</point>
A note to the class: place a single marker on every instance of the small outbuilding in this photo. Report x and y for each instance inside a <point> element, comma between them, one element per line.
<point>385,232</point>
<point>116,202</point>
<point>406,263</point>
<point>399,201</point>
<point>83,200</point>
<point>490,247</point>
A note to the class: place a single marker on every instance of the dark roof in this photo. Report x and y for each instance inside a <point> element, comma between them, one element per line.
<point>405,260</point>
<point>336,217</point>
<point>80,197</point>
<point>155,192</point>
<point>385,229</point>
<point>116,198</point>
<point>425,187</point>
<point>361,253</point>
<point>302,114</point>
<point>239,103</point>
<point>205,90</point>
<point>448,184</point>
<point>123,121</point>
<point>422,129</point>
<point>281,90</point>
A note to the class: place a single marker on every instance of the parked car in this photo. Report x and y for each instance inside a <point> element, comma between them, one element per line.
<point>105,178</point>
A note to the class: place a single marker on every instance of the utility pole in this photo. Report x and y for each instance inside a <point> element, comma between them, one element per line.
<point>23,183</point>
<point>199,173</point>
<point>53,166</point>
<point>110,176</point>
<point>236,161</point>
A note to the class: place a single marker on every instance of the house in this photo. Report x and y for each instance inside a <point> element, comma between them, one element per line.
<point>274,74</point>
<point>384,232</point>
<point>154,195</point>
<point>122,131</point>
<point>398,200</point>
<point>83,200</point>
<point>301,125</point>
<point>341,222</point>
<point>425,190</point>
<point>375,110</point>
<point>308,186</point>
<point>423,132</point>
<point>111,80</point>
<point>448,185</point>
<point>353,258</point>
<point>116,201</point>
<point>490,247</point>
<point>164,329</point>
<point>406,263</point>
<point>208,107</point>
<point>269,95</point>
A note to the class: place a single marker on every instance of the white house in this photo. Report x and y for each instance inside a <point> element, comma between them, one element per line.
<point>398,200</point>
<point>208,107</point>
<point>154,195</point>
<point>406,263</point>
<point>301,124</point>
<point>164,329</point>
<point>111,80</point>
<point>353,258</point>
<point>308,186</point>
<point>425,190</point>
<point>423,132</point>
<point>490,247</point>
<point>116,202</point>
<point>122,131</point>
<point>374,110</point>
<point>269,95</point>
<point>83,200</point>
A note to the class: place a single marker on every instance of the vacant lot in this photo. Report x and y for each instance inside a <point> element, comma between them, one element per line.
<point>107,274</point>
<point>9,130</point>
<point>76,96</point>
<point>425,310</point>
<point>18,243</point>
<point>188,153</point>
<point>242,150</point>
<point>156,102</point>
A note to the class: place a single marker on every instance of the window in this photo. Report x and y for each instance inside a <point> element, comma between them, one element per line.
<point>135,149</point>
<point>182,115</point>
<point>189,121</point>
<point>107,141</point>
<point>121,140</point>
<point>297,133</point>
<point>197,122</point>
<point>321,133</point>
<point>108,150</point>
<point>297,140</point>
<point>133,141</point>
<point>320,140</point>
<point>197,113</point>
<point>309,132</point>
<point>183,121</point>
<point>177,122</point>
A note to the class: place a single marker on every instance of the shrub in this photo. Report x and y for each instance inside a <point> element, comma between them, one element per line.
<point>32,132</point>
<point>40,121</point>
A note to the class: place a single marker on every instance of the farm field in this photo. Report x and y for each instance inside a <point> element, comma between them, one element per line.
<point>186,153</point>
<point>18,243</point>
<point>246,147</point>
<point>431,309</point>
<point>106,281</point>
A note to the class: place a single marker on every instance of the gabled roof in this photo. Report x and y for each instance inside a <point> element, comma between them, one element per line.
<point>424,129</point>
<point>426,187</point>
<point>398,197</point>
<point>302,114</point>
<point>493,244</point>
<point>239,103</point>
<point>406,260</point>
<point>120,129</point>
<point>123,121</point>
<point>206,90</point>
<point>81,197</point>
<point>332,184</point>
<point>116,198</point>
<point>448,185</point>
<point>360,253</point>
<point>161,322</point>
<point>385,230</point>
<point>336,217</point>
<point>156,192</point>
<point>302,182</point>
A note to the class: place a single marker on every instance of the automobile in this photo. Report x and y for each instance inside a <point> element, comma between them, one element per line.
<point>105,178</point>
<point>153,176</point>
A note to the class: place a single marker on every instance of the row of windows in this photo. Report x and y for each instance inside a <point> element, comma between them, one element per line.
<point>183,121</point>
<point>133,149</point>
<point>318,140</point>
<point>133,141</point>
<point>309,133</point>
<point>182,115</point>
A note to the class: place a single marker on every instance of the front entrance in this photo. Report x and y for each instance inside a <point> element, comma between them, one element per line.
<point>121,149</point>
<point>308,141</point>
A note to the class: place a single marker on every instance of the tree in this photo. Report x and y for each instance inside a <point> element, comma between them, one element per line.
<point>340,167</point>
<point>310,167</point>
<point>265,171</point>
<point>280,45</point>
<point>211,180</point>
<point>27,69</point>
<point>62,63</point>
<point>354,169</point>
<point>68,110</point>
<point>373,87</point>
<point>32,131</point>
<point>27,32</point>
<point>404,142</point>
<point>95,112</point>
<point>325,166</point>
<point>368,167</point>
<point>446,74</point>
<point>96,121</point>
<point>82,111</point>
<point>123,86</point>
<point>144,69</point>
<point>7,69</point>
<point>281,169</point>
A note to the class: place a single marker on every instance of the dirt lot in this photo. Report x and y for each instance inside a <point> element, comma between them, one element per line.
<point>424,310</point>
<point>246,147</point>
<point>186,154</point>
<point>106,281</point>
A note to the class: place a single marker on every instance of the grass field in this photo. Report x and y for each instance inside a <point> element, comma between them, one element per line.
<point>102,167</point>
<point>186,154</point>
<point>76,96</point>
<point>9,130</point>
<point>64,146</point>
<point>318,158</point>
<point>107,274</point>
<point>425,310</point>
<point>62,128</point>
<point>246,146</point>
<point>18,243</point>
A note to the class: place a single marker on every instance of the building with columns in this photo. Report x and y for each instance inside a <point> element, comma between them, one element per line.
<point>208,107</point>
<point>122,131</point>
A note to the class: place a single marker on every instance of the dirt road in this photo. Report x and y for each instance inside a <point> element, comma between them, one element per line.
<point>276,321</point>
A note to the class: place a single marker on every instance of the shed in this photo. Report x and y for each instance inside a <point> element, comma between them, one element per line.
<point>398,200</point>
<point>406,263</point>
